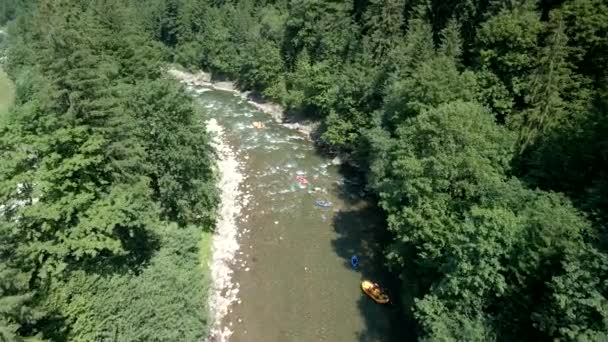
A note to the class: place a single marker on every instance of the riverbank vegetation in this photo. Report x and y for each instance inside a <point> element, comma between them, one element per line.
<point>481,126</point>
<point>7,94</point>
<point>106,182</point>
<point>7,89</point>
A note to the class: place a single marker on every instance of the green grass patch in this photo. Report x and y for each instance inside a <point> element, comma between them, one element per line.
<point>204,252</point>
<point>7,94</point>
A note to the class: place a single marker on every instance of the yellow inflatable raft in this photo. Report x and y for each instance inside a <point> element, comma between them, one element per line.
<point>374,291</point>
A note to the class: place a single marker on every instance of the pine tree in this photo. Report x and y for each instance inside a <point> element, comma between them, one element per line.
<point>383,28</point>
<point>416,47</point>
<point>451,42</point>
<point>547,84</point>
<point>323,28</point>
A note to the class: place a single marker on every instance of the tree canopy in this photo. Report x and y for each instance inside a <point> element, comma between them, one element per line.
<point>106,179</point>
<point>480,125</point>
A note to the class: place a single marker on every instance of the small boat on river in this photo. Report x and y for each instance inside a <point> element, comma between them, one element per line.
<point>374,291</point>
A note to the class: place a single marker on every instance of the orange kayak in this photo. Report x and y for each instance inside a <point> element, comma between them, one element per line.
<point>374,292</point>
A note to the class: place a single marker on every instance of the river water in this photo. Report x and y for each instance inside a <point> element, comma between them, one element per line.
<point>292,271</point>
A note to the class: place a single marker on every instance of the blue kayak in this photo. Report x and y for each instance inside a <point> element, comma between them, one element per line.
<point>354,261</point>
<point>322,204</point>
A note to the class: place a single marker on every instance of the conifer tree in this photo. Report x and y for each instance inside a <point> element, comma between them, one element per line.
<point>384,26</point>
<point>547,84</point>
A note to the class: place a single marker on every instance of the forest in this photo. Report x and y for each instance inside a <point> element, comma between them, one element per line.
<point>481,128</point>
<point>107,185</point>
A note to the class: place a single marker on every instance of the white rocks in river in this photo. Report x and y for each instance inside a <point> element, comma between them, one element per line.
<point>337,161</point>
<point>225,244</point>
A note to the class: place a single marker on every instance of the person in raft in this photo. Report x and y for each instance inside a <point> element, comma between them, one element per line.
<point>377,290</point>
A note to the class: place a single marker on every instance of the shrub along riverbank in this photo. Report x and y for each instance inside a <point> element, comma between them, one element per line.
<point>481,127</point>
<point>107,187</point>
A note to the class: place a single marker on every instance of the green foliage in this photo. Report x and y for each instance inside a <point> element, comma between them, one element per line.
<point>178,154</point>
<point>323,28</point>
<point>417,46</point>
<point>10,9</point>
<point>354,97</point>
<point>433,82</point>
<point>478,237</point>
<point>547,88</point>
<point>481,127</point>
<point>495,94</point>
<point>441,324</point>
<point>263,66</point>
<point>456,111</point>
<point>7,94</point>
<point>165,300</point>
<point>384,23</point>
<point>461,148</point>
<point>97,150</point>
<point>14,298</point>
<point>586,25</point>
<point>312,85</point>
<point>582,175</point>
<point>576,305</point>
<point>451,43</point>
<point>508,42</point>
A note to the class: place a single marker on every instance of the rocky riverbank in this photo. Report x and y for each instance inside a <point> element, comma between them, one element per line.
<point>224,290</point>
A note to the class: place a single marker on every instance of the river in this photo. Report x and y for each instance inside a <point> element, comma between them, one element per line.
<point>292,278</point>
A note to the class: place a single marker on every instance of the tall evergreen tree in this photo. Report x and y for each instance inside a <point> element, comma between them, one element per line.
<point>384,24</point>
<point>547,84</point>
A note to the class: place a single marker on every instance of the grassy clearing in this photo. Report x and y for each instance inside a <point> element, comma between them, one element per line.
<point>7,94</point>
<point>204,252</point>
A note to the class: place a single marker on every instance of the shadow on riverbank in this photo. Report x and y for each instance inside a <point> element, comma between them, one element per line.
<point>362,231</point>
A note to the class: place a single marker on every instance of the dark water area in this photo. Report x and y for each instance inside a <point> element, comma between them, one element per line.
<point>296,282</point>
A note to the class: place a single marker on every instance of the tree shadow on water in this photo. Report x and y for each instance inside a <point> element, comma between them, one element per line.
<point>362,231</point>
<point>351,189</point>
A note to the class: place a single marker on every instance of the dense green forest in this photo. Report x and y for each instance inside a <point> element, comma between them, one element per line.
<point>481,127</point>
<point>106,182</point>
